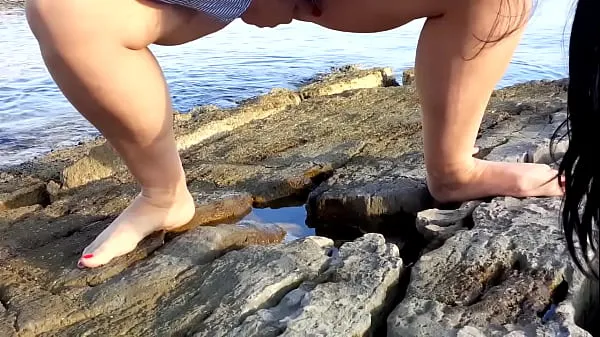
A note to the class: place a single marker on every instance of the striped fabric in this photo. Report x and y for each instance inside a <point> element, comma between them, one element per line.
<point>223,10</point>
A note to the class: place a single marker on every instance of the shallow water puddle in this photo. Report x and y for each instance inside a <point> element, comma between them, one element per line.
<point>291,219</point>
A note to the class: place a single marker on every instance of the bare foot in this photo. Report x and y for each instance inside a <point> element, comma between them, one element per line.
<point>141,218</point>
<point>491,179</point>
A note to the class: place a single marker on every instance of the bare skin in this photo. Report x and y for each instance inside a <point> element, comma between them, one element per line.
<point>97,52</point>
<point>96,77</point>
<point>455,79</point>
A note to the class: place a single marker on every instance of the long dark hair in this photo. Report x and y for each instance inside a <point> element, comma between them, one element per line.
<point>581,162</point>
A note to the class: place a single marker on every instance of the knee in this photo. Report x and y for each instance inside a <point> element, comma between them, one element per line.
<point>40,15</point>
<point>70,24</point>
<point>53,26</point>
<point>49,22</point>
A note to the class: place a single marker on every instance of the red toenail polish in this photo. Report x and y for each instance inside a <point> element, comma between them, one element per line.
<point>88,256</point>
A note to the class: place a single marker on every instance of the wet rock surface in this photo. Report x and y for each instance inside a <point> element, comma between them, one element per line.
<point>387,260</point>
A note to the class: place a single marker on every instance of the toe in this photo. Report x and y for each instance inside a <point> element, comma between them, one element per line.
<point>89,261</point>
<point>107,251</point>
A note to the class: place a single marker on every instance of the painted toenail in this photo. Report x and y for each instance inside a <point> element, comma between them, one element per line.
<point>88,256</point>
<point>80,265</point>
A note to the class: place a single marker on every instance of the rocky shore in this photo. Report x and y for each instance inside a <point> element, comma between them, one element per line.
<point>386,259</point>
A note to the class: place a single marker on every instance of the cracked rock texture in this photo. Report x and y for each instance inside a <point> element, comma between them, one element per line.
<point>437,225</point>
<point>347,146</point>
<point>496,278</point>
<point>348,299</point>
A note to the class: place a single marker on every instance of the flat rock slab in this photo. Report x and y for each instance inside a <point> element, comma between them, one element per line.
<point>385,120</point>
<point>51,302</point>
<point>284,177</point>
<point>219,207</point>
<point>21,191</point>
<point>349,78</point>
<point>501,276</point>
<point>255,291</point>
<point>519,128</point>
<point>367,195</point>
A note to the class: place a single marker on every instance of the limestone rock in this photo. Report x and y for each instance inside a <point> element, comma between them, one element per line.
<point>181,117</point>
<point>211,209</point>
<point>408,77</point>
<point>191,249</point>
<point>10,215</point>
<point>283,176</point>
<point>356,150</point>
<point>349,79</point>
<point>501,275</point>
<point>586,303</point>
<point>4,253</point>
<point>6,328</point>
<point>24,191</point>
<point>6,177</point>
<point>384,118</point>
<point>69,309</point>
<point>292,289</point>
<point>252,280</point>
<point>437,224</point>
<point>350,299</point>
<point>251,110</point>
<point>101,162</point>
<point>366,195</point>
<point>53,189</point>
<point>220,207</point>
<point>212,298</point>
<point>526,139</point>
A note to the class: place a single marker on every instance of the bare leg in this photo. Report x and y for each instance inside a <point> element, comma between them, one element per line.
<point>455,84</point>
<point>97,53</point>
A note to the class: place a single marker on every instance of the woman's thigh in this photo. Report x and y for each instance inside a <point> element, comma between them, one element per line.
<point>374,15</point>
<point>380,15</point>
<point>133,23</point>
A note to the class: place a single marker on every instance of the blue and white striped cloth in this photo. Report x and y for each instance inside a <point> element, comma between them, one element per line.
<point>222,10</point>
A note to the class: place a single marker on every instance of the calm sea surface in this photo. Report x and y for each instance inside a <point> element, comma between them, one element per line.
<point>239,62</point>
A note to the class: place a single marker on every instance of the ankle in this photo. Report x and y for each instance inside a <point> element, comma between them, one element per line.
<point>448,183</point>
<point>166,195</point>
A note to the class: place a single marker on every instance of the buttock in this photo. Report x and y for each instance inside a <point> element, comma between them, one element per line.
<point>222,10</point>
